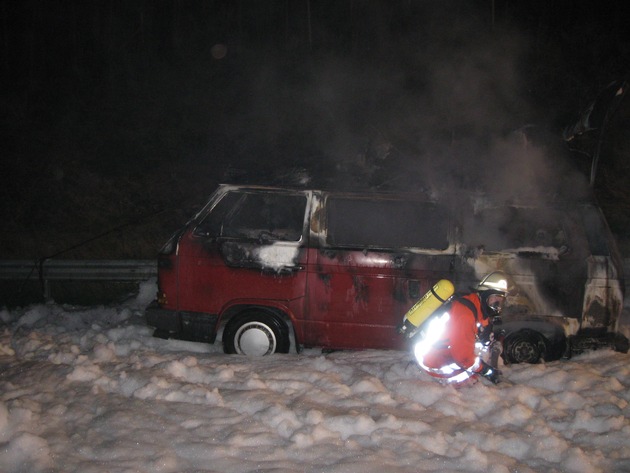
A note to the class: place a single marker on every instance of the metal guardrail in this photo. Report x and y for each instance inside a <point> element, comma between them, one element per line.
<point>77,270</point>
<point>107,270</point>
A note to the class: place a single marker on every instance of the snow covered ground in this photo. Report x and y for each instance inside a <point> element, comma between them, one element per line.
<point>90,390</point>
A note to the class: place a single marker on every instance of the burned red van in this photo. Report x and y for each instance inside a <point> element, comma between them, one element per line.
<point>269,269</point>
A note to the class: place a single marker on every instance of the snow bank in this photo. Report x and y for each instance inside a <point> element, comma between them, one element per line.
<point>90,390</point>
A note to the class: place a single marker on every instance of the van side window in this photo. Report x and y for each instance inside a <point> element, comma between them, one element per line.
<point>263,216</point>
<point>517,227</point>
<point>382,223</point>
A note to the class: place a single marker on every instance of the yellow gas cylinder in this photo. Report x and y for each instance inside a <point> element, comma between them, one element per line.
<point>427,304</point>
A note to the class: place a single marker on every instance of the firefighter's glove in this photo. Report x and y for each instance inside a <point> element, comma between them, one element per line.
<point>490,373</point>
<point>499,335</point>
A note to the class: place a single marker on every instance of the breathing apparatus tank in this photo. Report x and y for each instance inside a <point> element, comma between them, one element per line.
<point>429,303</point>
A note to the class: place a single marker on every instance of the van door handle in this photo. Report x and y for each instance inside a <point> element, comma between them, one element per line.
<point>413,288</point>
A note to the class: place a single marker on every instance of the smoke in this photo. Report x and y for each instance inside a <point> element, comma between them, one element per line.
<point>438,108</point>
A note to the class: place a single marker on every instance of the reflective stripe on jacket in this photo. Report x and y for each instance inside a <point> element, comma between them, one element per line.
<point>457,343</point>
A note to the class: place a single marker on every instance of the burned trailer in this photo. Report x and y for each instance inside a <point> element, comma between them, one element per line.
<point>567,271</point>
<point>273,269</point>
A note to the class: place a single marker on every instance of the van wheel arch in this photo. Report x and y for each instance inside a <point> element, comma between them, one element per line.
<point>256,331</point>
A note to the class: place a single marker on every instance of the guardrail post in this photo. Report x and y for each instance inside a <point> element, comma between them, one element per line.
<point>43,281</point>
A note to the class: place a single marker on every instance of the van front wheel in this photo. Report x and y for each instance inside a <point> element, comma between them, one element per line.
<point>256,333</point>
<point>524,346</point>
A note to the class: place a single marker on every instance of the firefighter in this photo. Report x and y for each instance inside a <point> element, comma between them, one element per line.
<point>453,344</point>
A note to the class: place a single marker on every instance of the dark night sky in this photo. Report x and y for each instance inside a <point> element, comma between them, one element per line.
<point>115,109</point>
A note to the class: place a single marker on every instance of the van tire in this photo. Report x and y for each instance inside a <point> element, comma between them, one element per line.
<point>256,333</point>
<point>524,346</point>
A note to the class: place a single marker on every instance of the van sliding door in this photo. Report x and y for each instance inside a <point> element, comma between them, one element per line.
<point>379,255</point>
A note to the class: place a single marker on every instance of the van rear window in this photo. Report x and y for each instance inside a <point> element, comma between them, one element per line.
<point>383,223</point>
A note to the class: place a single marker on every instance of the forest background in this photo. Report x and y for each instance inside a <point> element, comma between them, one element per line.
<point>120,117</point>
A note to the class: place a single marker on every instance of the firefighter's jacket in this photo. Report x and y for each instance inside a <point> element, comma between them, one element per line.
<point>456,343</point>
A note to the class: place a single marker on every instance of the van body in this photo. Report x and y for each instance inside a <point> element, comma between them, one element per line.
<point>269,269</point>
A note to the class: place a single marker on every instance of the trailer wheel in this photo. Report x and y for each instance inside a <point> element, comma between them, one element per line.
<point>524,346</point>
<point>256,333</point>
